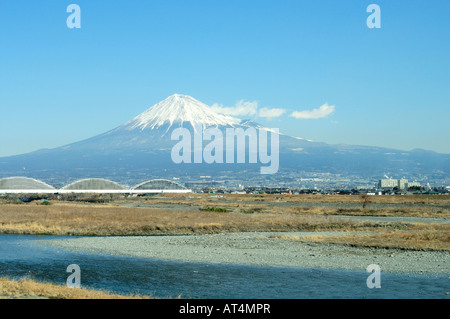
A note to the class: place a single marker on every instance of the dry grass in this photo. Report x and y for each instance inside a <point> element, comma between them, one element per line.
<point>417,237</point>
<point>246,213</point>
<point>103,220</point>
<point>412,211</point>
<point>304,198</point>
<point>27,288</point>
<point>409,205</point>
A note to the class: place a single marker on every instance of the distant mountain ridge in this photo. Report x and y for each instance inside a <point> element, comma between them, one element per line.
<point>140,149</point>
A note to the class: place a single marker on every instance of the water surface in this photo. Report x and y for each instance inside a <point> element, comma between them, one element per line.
<point>26,256</point>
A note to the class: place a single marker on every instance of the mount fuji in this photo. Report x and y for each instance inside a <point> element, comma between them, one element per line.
<point>140,149</point>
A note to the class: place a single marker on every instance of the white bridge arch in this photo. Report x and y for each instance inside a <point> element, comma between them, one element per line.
<point>25,185</point>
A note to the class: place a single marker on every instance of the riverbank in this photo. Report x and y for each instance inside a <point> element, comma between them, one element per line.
<point>31,289</point>
<point>425,231</point>
<point>401,233</point>
<point>264,249</point>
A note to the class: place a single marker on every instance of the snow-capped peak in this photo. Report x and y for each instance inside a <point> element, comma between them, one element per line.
<point>180,108</point>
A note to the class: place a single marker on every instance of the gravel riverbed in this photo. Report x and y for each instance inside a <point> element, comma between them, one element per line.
<point>260,248</point>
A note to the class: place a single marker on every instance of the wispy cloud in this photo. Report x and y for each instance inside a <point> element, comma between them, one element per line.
<point>270,113</point>
<point>318,113</point>
<point>242,108</point>
<point>246,108</point>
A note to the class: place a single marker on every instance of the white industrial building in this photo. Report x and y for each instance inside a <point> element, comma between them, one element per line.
<point>401,184</point>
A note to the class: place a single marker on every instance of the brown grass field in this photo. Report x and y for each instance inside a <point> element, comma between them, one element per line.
<point>105,220</point>
<point>205,213</point>
<point>268,198</point>
<point>31,289</point>
<point>417,237</point>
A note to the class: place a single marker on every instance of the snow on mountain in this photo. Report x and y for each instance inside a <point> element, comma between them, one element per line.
<point>178,109</point>
<point>141,148</point>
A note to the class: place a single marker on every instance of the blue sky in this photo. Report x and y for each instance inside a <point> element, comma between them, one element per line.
<point>385,87</point>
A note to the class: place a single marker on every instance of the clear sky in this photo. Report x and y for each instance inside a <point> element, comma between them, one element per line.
<point>312,68</point>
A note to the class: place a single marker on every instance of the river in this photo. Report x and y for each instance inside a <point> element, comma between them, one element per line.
<point>24,256</point>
